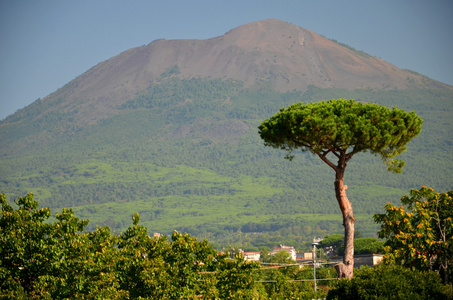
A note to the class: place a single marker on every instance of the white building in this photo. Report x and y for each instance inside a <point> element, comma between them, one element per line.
<point>252,256</point>
<point>288,249</point>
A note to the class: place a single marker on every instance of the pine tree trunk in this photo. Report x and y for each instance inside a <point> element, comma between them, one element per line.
<point>345,270</point>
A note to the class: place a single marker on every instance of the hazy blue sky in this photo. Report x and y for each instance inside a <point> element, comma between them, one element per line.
<point>45,44</point>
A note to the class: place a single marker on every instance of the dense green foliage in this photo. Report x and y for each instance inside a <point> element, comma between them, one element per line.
<point>40,260</point>
<point>367,245</point>
<point>335,245</point>
<point>198,166</point>
<point>390,282</point>
<point>420,235</point>
<point>290,282</point>
<point>342,128</point>
<point>58,260</point>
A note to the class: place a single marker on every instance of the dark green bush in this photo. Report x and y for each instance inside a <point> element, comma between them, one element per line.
<point>368,245</point>
<point>390,282</point>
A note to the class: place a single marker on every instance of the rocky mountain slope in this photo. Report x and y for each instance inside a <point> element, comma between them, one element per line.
<point>271,51</point>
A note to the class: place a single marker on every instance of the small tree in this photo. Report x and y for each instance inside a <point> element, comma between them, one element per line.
<point>332,242</point>
<point>335,131</point>
<point>282,257</point>
<point>420,236</point>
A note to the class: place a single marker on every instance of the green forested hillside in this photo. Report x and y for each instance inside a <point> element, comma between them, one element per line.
<point>186,155</point>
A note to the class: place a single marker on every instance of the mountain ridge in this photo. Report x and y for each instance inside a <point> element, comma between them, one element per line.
<point>272,52</point>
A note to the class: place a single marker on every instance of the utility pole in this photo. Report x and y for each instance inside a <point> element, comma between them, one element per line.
<point>314,266</point>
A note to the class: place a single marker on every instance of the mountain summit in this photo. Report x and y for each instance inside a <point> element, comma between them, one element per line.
<point>280,54</point>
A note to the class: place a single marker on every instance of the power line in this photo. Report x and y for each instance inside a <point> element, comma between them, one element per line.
<point>296,280</point>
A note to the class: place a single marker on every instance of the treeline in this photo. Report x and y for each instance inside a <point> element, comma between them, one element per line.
<point>40,259</point>
<point>59,260</point>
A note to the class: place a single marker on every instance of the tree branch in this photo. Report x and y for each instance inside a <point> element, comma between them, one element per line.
<point>301,144</point>
<point>351,154</point>
<point>326,160</point>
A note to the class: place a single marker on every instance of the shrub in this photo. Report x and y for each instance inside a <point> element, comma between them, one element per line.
<point>390,282</point>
